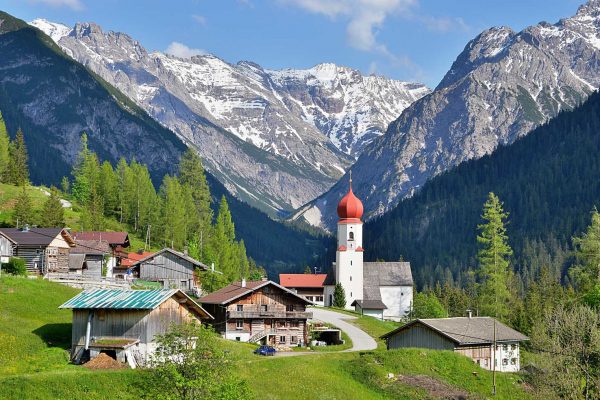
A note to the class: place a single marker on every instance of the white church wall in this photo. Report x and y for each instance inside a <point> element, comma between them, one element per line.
<point>398,300</point>
<point>328,295</point>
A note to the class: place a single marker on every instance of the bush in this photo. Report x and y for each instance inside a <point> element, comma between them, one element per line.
<point>15,266</point>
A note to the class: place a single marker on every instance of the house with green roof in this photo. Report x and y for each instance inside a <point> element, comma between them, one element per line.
<point>124,323</point>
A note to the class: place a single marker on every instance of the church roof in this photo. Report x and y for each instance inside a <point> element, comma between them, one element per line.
<point>370,304</point>
<point>376,274</point>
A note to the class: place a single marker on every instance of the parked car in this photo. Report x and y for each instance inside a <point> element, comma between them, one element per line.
<point>265,351</point>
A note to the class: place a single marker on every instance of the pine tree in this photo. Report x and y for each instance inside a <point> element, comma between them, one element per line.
<point>24,213</point>
<point>339,296</point>
<point>93,212</point>
<point>108,188</point>
<point>86,173</point>
<point>307,270</point>
<point>53,214</point>
<point>4,154</point>
<point>586,273</point>
<point>65,185</point>
<point>493,257</point>
<point>18,171</point>
<point>173,221</point>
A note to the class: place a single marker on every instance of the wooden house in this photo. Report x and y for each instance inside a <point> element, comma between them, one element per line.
<point>307,285</point>
<point>124,323</point>
<point>470,336</point>
<point>43,249</point>
<point>117,241</point>
<point>172,269</point>
<point>88,257</point>
<point>259,312</point>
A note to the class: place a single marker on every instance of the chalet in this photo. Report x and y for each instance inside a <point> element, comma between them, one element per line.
<point>470,336</point>
<point>43,249</point>
<point>307,285</point>
<point>118,242</point>
<point>87,257</point>
<point>259,311</point>
<point>169,267</point>
<point>123,323</point>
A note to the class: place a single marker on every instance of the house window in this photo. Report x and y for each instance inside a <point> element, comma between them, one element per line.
<point>281,339</point>
<point>505,347</point>
<point>350,294</point>
<point>294,323</point>
<point>238,339</point>
<point>184,284</point>
<point>289,307</point>
<point>319,298</point>
<point>513,361</point>
<point>351,279</point>
<point>293,339</point>
<point>309,298</point>
<point>350,262</point>
<point>513,346</point>
<point>263,307</point>
<point>281,324</point>
<point>239,324</point>
<point>351,236</point>
<point>505,361</point>
<point>240,307</point>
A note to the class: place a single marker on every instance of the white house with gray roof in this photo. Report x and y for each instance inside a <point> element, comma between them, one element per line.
<point>470,336</point>
<point>380,289</point>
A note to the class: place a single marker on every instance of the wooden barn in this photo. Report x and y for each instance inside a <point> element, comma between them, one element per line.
<point>259,311</point>
<point>123,323</point>
<point>172,269</point>
<point>470,336</point>
<point>117,241</point>
<point>43,249</point>
<point>87,257</point>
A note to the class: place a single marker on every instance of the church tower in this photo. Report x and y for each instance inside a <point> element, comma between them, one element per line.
<point>349,255</point>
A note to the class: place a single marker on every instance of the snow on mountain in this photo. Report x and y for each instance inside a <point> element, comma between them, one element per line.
<point>54,30</point>
<point>500,87</point>
<point>276,139</point>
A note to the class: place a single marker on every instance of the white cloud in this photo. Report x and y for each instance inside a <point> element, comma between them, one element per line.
<point>181,50</point>
<point>73,4</point>
<point>365,17</point>
<point>199,19</point>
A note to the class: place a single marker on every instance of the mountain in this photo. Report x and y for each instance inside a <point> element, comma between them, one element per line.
<point>276,139</point>
<point>54,99</point>
<point>499,88</point>
<point>548,181</point>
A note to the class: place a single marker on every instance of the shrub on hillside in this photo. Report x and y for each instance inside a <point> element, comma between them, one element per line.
<point>15,266</point>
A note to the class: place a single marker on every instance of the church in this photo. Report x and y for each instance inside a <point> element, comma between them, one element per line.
<point>380,289</point>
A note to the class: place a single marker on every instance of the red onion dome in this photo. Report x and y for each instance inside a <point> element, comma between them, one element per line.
<point>350,207</point>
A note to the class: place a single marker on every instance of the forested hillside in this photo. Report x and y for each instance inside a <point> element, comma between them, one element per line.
<point>549,182</point>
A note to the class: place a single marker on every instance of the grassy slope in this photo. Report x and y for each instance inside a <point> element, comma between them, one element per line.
<point>34,337</point>
<point>8,199</point>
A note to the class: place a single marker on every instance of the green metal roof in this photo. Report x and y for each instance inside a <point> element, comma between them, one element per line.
<point>119,299</point>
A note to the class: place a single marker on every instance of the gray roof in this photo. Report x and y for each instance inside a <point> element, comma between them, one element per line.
<point>76,261</point>
<point>465,330</point>
<point>370,304</point>
<point>34,236</point>
<point>174,252</point>
<point>378,274</point>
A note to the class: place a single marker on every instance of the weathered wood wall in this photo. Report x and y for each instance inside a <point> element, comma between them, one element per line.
<point>170,270</point>
<point>419,336</point>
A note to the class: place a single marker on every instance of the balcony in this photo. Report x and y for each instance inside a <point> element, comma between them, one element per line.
<point>269,314</point>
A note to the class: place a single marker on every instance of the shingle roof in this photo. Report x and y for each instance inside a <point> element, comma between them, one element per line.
<point>174,252</point>
<point>302,280</point>
<point>465,330</point>
<point>376,274</point>
<point>129,299</point>
<point>92,247</point>
<point>235,291</point>
<point>34,236</point>
<point>113,238</point>
<point>132,258</point>
<point>370,304</point>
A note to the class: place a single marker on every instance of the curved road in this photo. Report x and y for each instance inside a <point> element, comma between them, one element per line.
<point>360,339</point>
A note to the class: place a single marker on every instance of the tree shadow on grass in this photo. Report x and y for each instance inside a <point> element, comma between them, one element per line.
<point>55,335</point>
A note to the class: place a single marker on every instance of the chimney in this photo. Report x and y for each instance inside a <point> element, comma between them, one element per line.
<point>25,228</point>
<point>470,313</point>
<point>263,278</point>
<point>243,282</point>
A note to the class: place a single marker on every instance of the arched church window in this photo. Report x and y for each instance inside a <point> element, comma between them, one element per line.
<point>351,236</point>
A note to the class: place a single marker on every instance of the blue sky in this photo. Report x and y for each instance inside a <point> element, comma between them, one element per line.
<point>404,39</point>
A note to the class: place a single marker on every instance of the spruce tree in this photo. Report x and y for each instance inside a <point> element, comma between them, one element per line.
<point>173,219</point>
<point>53,214</point>
<point>339,296</point>
<point>24,213</point>
<point>493,257</point>
<point>18,170</point>
<point>4,154</point>
<point>65,185</point>
<point>191,172</point>
<point>586,273</point>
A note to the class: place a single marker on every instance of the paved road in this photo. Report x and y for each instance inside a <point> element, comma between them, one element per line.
<point>360,339</point>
